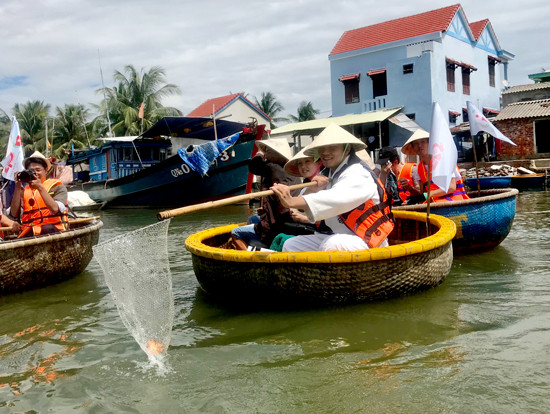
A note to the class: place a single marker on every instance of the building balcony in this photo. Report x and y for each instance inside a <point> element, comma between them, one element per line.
<point>375,104</point>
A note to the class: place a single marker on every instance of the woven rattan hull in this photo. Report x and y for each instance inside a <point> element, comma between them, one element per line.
<point>32,263</point>
<point>325,278</point>
<point>482,223</point>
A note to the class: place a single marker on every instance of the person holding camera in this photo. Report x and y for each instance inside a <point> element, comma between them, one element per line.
<point>39,202</point>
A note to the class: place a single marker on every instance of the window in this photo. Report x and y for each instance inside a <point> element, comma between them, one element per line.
<point>412,117</point>
<point>465,115</point>
<point>408,68</point>
<point>542,131</point>
<point>351,87</point>
<point>465,81</point>
<point>452,116</point>
<point>492,65</point>
<point>451,65</point>
<point>379,85</point>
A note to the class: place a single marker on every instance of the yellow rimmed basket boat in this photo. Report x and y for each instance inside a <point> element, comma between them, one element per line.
<point>44,260</point>
<point>412,262</point>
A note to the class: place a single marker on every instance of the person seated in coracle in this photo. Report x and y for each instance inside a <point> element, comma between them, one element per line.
<point>269,164</point>
<point>418,144</point>
<point>352,200</point>
<point>396,176</point>
<point>40,203</point>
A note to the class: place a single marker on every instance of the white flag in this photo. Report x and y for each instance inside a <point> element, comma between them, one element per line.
<point>13,162</point>
<point>478,122</point>
<point>442,149</point>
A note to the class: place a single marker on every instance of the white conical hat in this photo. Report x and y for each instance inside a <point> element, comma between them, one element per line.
<point>37,154</point>
<point>335,134</point>
<point>291,167</point>
<point>279,145</point>
<point>418,135</point>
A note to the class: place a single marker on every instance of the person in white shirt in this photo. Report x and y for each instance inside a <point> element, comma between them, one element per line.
<point>351,200</point>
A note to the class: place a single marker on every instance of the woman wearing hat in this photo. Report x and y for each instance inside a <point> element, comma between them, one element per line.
<point>353,202</point>
<point>41,204</point>
<point>269,164</point>
<point>418,144</point>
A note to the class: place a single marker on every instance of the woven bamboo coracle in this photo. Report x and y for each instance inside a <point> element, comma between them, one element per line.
<point>412,262</point>
<point>482,222</point>
<point>44,260</point>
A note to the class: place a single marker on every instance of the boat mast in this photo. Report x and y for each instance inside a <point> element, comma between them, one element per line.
<point>104,96</point>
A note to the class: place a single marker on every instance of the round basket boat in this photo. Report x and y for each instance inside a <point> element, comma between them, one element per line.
<point>44,260</point>
<point>482,222</point>
<point>411,263</point>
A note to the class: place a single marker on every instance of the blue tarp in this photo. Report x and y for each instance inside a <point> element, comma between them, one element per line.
<point>200,157</point>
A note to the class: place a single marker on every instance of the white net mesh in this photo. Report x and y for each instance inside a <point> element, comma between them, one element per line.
<point>137,272</point>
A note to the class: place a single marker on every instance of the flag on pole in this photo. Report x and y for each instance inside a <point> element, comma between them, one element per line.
<point>478,122</point>
<point>442,149</point>
<point>13,162</point>
<point>48,145</point>
<point>141,109</point>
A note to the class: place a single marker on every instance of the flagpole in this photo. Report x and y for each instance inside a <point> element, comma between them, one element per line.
<point>475,164</point>
<point>428,195</point>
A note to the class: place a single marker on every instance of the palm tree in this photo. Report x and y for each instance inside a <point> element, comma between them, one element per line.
<point>306,112</point>
<point>31,116</point>
<point>70,129</point>
<point>133,90</point>
<point>5,128</point>
<point>269,104</point>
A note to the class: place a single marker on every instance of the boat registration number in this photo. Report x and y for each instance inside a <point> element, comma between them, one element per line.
<point>184,168</point>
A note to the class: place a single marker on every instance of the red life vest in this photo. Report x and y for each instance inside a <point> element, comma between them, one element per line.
<point>372,222</point>
<point>458,194</point>
<point>405,172</point>
<point>37,214</point>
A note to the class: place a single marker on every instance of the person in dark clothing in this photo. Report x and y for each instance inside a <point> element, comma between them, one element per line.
<point>269,165</point>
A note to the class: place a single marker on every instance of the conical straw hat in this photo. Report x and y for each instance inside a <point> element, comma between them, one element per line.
<point>291,167</point>
<point>418,135</point>
<point>334,134</point>
<point>279,145</point>
<point>33,157</point>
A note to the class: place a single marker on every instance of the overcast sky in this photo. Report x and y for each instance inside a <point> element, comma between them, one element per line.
<point>49,48</point>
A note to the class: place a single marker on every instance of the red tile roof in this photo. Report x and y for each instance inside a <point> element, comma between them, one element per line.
<point>219,103</point>
<point>205,109</point>
<point>398,29</point>
<point>477,28</point>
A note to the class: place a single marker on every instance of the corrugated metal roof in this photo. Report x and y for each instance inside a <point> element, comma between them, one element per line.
<point>529,87</point>
<point>315,126</point>
<point>528,109</point>
<point>404,121</point>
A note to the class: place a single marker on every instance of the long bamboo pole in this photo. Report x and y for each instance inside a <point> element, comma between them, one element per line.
<point>225,202</point>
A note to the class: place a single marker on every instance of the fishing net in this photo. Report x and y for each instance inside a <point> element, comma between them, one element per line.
<point>137,272</point>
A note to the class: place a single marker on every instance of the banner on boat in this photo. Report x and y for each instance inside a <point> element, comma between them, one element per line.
<point>442,149</point>
<point>13,162</point>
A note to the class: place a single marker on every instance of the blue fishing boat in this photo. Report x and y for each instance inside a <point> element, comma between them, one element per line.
<point>482,222</point>
<point>486,183</point>
<point>529,181</point>
<point>178,161</point>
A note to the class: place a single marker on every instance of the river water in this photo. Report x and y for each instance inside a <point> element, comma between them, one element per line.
<point>477,343</point>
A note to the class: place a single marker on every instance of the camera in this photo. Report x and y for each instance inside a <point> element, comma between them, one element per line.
<point>26,176</point>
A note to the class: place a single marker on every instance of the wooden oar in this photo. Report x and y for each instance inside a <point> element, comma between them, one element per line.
<point>82,219</point>
<point>225,202</point>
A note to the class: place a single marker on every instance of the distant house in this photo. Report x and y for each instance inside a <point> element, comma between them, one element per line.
<point>525,118</point>
<point>436,56</point>
<point>234,107</point>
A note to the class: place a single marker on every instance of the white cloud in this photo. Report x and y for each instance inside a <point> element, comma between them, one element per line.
<point>211,48</point>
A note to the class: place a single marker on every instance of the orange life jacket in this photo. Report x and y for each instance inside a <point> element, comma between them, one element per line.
<point>37,214</point>
<point>372,222</point>
<point>405,172</point>
<point>458,194</point>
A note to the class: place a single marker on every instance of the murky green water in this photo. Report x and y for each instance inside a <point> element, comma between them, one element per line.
<point>477,343</point>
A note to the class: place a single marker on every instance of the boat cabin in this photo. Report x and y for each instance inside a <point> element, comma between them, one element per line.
<point>118,157</point>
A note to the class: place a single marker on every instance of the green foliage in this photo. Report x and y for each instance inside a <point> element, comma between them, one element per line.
<point>269,104</point>
<point>31,117</point>
<point>123,101</point>
<point>306,112</point>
